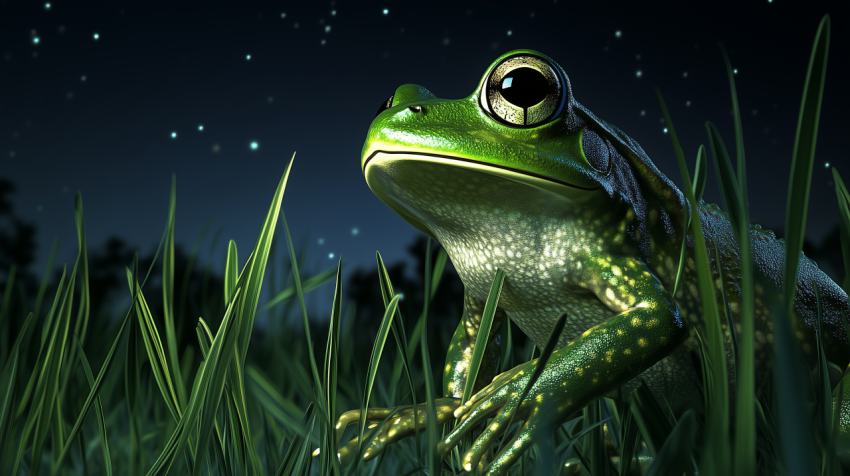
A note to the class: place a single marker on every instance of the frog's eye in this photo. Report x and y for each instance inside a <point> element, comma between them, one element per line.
<point>385,105</point>
<point>523,91</point>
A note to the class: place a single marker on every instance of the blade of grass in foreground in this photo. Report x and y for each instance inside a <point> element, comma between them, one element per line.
<point>330,462</point>
<point>797,451</point>
<point>209,385</point>
<point>8,386</point>
<point>434,459</point>
<point>844,224</point>
<point>401,342</point>
<point>735,197</point>
<point>538,370</point>
<point>483,334</point>
<point>717,456</point>
<point>371,372</point>
<point>168,299</point>
<point>98,408</point>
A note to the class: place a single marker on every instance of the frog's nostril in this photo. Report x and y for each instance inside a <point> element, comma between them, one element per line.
<point>385,105</point>
<point>415,108</point>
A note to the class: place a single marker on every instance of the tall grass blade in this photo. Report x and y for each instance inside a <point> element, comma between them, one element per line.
<point>734,194</point>
<point>717,453</point>
<point>844,224</point>
<point>330,461</point>
<point>797,451</point>
<point>372,370</point>
<point>98,408</point>
<point>308,285</point>
<point>8,386</point>
<point>45,279</point>
<point>231,271</point>
<point>538,370</point>
<point>401,342</point>
<point>675,456</point>
<point>434,458</point>
<point>168,298</point>
<point>483,334</point>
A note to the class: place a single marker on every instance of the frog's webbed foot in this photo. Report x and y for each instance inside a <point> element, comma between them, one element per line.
<point>401,425</point>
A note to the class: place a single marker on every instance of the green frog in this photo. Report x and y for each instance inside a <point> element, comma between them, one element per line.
<point>520,177</point>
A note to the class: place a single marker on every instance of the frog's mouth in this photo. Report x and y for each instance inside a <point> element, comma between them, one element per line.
<point>419,186</point>
<point>382,159</point>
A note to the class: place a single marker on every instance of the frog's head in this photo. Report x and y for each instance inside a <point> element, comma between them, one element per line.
<point>520,136</point>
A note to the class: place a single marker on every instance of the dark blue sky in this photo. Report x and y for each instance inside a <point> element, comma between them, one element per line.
<point>91,95</point>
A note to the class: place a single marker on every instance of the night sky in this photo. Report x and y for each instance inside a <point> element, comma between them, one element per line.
<point>111,98</point>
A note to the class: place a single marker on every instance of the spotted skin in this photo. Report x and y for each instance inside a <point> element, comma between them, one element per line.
<point>583,223</point>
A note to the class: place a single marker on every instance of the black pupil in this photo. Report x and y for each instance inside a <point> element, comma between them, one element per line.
<point>524,87</point>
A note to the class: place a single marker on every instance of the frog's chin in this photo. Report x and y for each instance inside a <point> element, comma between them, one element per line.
<point>427,190</point>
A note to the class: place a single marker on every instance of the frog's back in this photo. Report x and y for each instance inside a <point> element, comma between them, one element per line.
<point>768,254</point>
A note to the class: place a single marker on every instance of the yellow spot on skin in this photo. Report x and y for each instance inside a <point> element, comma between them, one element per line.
<point>579,371</point>
<point>652,322</point>
<point>628,351</point>
<point>642,342</point>
<point>620,332</point>
<point>616,270</point>
<point>635,321</point>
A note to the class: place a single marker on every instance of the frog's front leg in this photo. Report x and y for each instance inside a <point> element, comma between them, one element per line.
<point>454,379</point>
<point>646,329</point>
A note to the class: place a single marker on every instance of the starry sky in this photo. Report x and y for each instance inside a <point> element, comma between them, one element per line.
<point>110,98</point>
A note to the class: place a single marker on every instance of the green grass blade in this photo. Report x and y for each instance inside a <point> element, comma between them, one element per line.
<point>98,408</point>
<point>4,310</point>
<point>82,324</point>
<point>803,158</point>
<point>231,271</point>
<point>700,173</point>
<point>675,456</point>
<point>132,386</point>
<point>330,373</point>
<point>551,342</point>
<point>797,451</point>
<point>440,264</point>
<point>483,334</point>
<point>8,385</point>
<point>844,224</point>
<point>248,307</point>
<point>434,458</point>
<point>153,345</point>
<point>737,202</point>
<point>45,278</point>
<point>374,360</point>
<point>288,463</point>
<point>308,285</point>
<point>717,452</point>
<point>168,299</point>
<point>46,390</point>
<point>401,342</point>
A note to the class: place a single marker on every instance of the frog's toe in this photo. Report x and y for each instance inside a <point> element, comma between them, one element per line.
<point>478,415</point>
<point>512,451</point>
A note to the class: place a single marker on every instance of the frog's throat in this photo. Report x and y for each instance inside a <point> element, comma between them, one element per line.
<point>383,160</point>
<point>385,171</point>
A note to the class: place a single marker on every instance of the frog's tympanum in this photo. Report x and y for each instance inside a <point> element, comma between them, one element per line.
<point>521,177</point>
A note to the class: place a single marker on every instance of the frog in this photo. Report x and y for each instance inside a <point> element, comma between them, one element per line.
<point>520,177</point>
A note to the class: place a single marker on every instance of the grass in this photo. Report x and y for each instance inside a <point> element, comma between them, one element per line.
<point>237,403</point>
